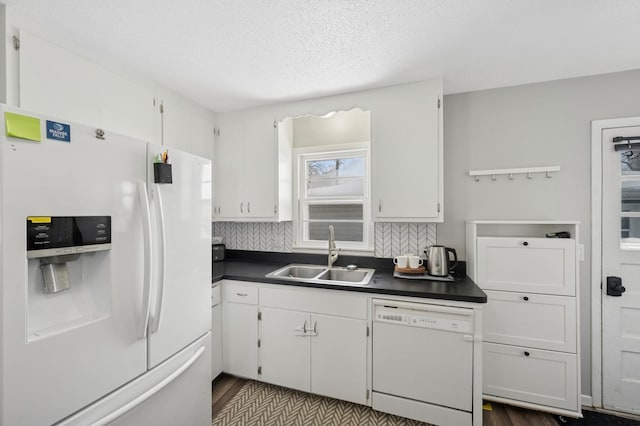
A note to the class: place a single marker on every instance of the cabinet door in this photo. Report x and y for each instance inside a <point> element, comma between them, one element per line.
<point>534,265</point>
<point>339,358</point>
<point>284,348</point>
<point>407,162</point>
<point>260,168</point>
<point>229,171</point>
<point>216,341</point>
<point>240,339</point>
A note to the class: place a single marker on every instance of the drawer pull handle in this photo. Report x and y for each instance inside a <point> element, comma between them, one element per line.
<point>242,294</point>
<point>525,298</point>
<point>526,243</point>
<point>526,353</point>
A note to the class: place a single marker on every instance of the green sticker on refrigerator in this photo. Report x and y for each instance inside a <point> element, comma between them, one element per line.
<point>22,126</point>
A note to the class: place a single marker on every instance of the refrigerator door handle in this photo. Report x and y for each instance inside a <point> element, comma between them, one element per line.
<point>146,232</point>
<point>155,318</point>
<point>148,394</point>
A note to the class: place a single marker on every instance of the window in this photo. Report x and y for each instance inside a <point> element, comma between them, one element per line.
<point>333,189</point>
<point>630,198</point>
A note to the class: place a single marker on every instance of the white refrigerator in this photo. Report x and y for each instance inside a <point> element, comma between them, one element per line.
<point>105,278</point>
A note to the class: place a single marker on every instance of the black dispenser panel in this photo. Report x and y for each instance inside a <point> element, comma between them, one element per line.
<point>51,232</point>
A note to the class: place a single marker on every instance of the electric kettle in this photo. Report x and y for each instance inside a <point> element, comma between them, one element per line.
<point>438,262</point>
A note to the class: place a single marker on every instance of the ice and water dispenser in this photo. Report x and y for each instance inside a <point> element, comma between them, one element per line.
<point>69,278</point>
<point>56,241</point>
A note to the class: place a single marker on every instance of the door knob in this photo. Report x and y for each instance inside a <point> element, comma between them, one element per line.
<point>614,286</point>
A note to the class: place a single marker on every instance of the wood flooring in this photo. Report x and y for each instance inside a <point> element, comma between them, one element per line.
<point>225,387</point>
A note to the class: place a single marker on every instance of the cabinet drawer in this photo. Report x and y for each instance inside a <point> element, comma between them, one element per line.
<point>329,302</point>
<point>535,265</point>
<point>215,295</point>
<point>530,375</point>
<point>534,320</point>
<point>239,292</point>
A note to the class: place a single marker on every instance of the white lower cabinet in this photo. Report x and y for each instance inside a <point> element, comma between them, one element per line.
<point>313,349</point>
<point>306,339</point>
<point>240,329</point>
<point>216,333</point>
<point>534,375</point>
<point>322,341</point>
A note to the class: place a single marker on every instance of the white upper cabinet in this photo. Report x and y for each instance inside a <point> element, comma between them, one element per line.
<point>248,172</point>
<point>185,125</point>
<point>57,82</point>
<point>253,161</point>
<point>407,156</point>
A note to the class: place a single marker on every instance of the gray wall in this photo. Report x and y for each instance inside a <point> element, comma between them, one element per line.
<point>545,124</point>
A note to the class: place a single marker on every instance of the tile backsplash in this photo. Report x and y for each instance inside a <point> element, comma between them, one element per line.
<point>393,239</point>
<point>390,239</point>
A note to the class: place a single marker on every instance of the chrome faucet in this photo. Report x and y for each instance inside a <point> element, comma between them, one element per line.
<point>333,250</point>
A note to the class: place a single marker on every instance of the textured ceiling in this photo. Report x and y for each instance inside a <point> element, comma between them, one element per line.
<point>233,54</point>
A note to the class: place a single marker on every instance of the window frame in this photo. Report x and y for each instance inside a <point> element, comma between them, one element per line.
<point>323,152</point>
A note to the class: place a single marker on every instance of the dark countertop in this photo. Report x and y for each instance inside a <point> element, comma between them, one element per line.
<point>253,266</point>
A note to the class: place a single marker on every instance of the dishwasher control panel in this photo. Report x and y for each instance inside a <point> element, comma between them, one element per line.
<point>448,319</point>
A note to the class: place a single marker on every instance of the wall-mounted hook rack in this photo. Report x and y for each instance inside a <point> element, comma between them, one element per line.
<point>510,172</point>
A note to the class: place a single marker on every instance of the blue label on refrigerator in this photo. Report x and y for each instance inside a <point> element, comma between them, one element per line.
<point>58,131</point>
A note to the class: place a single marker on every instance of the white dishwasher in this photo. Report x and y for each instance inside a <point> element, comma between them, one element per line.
<point>423,361</point>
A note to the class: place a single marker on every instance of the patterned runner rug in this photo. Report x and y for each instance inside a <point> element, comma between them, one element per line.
<point>258,404</point>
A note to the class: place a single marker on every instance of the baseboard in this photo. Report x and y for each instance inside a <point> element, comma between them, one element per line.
<point>586,400</point>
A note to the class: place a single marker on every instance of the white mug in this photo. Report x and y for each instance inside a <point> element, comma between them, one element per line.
<point>414,262</point>
<point>401,261</point>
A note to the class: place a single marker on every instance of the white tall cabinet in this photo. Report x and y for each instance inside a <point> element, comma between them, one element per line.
<point>531,349</point>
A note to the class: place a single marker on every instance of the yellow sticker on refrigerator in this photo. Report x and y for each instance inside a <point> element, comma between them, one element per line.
<point>39,219</point>
<point>22,126</point>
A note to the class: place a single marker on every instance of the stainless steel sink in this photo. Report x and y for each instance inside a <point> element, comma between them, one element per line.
<point>298,271</point>
<point>344,275</point>
<point>323,275</point>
